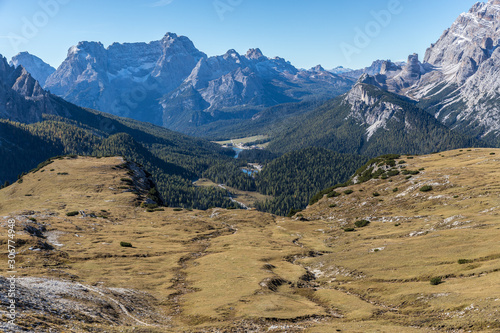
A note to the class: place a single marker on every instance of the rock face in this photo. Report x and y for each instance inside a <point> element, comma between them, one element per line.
<point>368,108</point>
<point>22,98</point>
<point>459,80</point>
<point>235,86</point>
<point>124,78</point>
<point>38,69</point>
<point>467,61</point>
<point>171,83</point>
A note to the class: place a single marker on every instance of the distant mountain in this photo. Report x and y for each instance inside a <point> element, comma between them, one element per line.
<point>375,68</point>
<point>34,65</point>
<point>340,70</point>
<point>171,83</point>
<point>371,121</point>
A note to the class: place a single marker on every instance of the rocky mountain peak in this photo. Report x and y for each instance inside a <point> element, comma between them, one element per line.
<point>34,65</point>
<point>254,54</point>
<point>318,68</point>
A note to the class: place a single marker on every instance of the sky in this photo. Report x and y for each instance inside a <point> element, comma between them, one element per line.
<point>305,32</point>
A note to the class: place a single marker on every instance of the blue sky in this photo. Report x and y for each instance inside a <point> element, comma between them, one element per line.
<point>307,33</point>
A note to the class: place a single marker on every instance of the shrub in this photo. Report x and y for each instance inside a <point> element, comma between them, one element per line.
<point>361,223</point>
<point>347,192</point>
<point>395,189</point>
<point>73,213</point>
<point>125,244</point>
<point>408,177</point>
<point>333,206</point>
<point>402,162</point>
<point>410,157</point>
<point>393,173</point>
<point>464,261</point>
<point>63,173</point>
<point>436,280</point>
<point>290,214</point>
<point>333,194</point>
<point>492,154</point>
<point>149,206</point>
<point>390,163</point>
<point>426,188</point>
<point>177,209</point>
<point>349,229</point>
<point>376,194</point>
<point>410,172</point>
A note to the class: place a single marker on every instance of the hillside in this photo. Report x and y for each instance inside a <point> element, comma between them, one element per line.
<point>234,270</point>
<point>369,121</point>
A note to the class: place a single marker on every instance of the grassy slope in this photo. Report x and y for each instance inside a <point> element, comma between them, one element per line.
<point>222,268</point>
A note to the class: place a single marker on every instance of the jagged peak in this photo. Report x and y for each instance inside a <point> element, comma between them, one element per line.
<point>367,79</point>
<point>170,35</point>
<point>232,53</point>
<point>318,68</point>
<point>254,54</point>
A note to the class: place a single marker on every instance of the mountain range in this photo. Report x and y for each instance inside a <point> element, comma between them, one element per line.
<point>171,83</point>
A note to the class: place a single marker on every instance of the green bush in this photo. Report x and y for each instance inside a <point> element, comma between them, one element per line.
<point>177,209</point>
<point>393,173</point>
<point>395,190</point>
<point>436,280</point>
<point>73,213</point>
<point>125,244</point>
<point>464,261</point>
<point>333,194</point>
<point>410,172</point>
<point>376,194</point>
<point>347,192</point>
<point>426,188</point>
<point>333,206</point>
<point>349,229</point>
<point>361,223</point>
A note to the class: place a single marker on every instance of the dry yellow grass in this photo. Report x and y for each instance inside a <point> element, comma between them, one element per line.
<point>226,269</point>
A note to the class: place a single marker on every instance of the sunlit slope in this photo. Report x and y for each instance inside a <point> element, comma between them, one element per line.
<point>238,270</point>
